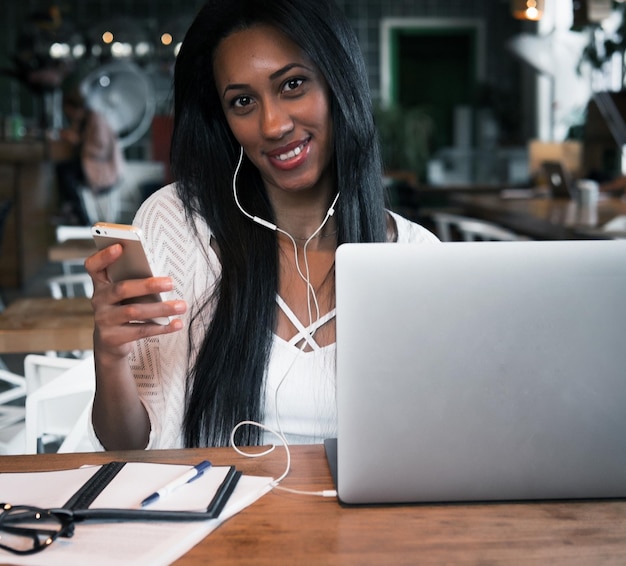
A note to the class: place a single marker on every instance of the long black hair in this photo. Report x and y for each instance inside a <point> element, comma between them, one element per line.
<point>225,386</point>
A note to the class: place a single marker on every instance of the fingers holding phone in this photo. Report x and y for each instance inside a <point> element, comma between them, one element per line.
<point>127,264</point>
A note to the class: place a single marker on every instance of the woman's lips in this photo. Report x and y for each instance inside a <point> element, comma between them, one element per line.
<point>290,156</point>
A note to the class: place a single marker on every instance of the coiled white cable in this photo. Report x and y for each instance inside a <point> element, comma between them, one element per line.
<point>276,482</point>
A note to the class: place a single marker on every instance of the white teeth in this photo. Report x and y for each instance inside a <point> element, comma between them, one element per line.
<point>290,154</point>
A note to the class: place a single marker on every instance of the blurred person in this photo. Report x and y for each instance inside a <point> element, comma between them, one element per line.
<point>96,160</point>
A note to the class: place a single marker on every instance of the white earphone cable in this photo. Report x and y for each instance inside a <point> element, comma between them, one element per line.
<point>311,297</point>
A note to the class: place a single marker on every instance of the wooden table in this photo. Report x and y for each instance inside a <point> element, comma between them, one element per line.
<point>283,528</point>
<point>42,324</point>
<point>542,218</point>
<point>71,250</point>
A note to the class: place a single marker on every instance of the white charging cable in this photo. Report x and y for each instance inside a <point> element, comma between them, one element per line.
<point>276,482</point>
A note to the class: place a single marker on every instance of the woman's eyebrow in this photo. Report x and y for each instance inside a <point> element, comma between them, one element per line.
<point>235,86</point>
<point>287,68</point>
<point>275,75</point>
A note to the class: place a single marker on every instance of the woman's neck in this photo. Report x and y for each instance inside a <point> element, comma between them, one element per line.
<point>305,213</point>
<point>325,239</point>
<point>306,220</point>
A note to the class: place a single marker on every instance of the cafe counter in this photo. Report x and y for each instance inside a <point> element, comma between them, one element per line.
<point>27,180</point>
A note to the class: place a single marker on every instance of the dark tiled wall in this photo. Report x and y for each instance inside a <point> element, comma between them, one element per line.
<point>366,16</point>
<point>501,68</point>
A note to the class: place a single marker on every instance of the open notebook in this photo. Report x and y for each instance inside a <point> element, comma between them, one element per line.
<point>480,371</point>
<point>110,494</point>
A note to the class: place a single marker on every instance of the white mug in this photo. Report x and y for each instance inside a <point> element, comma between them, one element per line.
<point>588,192</point>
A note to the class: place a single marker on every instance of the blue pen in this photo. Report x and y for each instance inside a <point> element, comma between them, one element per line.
<point>187,477</point>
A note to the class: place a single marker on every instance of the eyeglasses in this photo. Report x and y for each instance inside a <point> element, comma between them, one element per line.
<point>27,530</point>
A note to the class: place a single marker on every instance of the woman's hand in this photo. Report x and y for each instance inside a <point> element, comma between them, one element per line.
<point>114,331</point>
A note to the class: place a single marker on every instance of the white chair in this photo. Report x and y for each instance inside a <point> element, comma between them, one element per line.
<point>478,230</point>
<point>12,438</point>
<point>11,414</point>
<point>616,228</point>
<point>66,233</point>
<point>449,225</point>
<point>445,224</point>
<point>60,392</point>
<point>61,286</point>
<point>16,384</point>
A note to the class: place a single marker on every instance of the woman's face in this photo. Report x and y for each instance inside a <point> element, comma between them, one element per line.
<point>277,105</point>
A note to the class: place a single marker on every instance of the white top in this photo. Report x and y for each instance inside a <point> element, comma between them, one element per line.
<point>306,399</point>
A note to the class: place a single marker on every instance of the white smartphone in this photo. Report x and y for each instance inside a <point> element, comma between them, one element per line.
<point>133,263</point>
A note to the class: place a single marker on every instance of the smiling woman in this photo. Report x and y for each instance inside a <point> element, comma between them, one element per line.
<point>277,163</point>
<point>276,103</point>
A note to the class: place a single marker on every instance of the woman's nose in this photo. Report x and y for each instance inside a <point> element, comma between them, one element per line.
<point>275,120</point>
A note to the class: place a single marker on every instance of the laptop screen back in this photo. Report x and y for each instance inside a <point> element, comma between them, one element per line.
<point>481,371</point>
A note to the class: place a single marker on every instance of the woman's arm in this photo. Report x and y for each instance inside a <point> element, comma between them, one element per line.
<point>119,417</point>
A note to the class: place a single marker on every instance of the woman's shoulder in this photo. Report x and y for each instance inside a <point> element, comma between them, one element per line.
<point>410,232</point>
<point>165,208</point>
<point>164,200</point>
<point>165,222</point>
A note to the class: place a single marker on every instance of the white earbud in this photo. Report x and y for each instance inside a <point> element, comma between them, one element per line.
<point>250,216</point>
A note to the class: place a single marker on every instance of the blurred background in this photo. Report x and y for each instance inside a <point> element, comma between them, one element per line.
<point>468,93</point>
<point>499,120</point>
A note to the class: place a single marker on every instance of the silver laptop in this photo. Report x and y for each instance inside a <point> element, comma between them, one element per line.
<point>480,371</point>
<point>559,180</point>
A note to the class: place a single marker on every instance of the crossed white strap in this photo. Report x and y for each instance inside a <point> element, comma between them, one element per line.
<point>304,333</point>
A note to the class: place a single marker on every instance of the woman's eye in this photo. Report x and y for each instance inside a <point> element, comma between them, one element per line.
<point>241,101</point>
<point>292,84</point>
